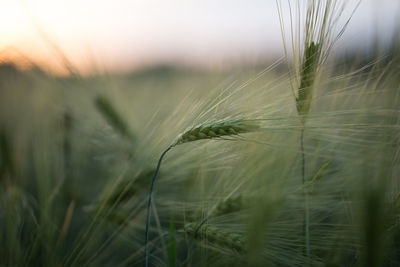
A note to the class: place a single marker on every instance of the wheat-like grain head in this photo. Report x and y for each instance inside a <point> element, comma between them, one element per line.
<point>229,205</point>
<point>216,237</point>
<point>311,58</point>
<point>218,129</point>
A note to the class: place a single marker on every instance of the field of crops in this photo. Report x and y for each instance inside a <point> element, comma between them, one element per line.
<point>265,166</point>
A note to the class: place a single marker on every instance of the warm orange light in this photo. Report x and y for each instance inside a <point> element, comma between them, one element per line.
<point>39,32</point>
<point>124,34</point>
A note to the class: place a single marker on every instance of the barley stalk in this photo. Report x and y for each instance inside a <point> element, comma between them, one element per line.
<point>219,129</point>
<point>320,21</point>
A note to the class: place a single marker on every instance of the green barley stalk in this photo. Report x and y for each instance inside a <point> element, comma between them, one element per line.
<point>311,57</point>
<point>223,129</point>
<point>318,38</point>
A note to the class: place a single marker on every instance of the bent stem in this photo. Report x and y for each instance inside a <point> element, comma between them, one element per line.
<point>150,203</point>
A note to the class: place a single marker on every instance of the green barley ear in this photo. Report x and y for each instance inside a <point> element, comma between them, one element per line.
<point>308,73</point>
<point>220,129</point>
<point>313,34</point>
<point>111,115</point>
<point>215,236</point>
<point>229,205</point>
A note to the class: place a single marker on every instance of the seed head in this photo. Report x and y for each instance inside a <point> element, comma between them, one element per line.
<point>216,130</point>
<point>216,236</point>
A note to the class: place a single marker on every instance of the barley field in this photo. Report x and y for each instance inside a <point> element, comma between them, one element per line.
<point>290,163</point>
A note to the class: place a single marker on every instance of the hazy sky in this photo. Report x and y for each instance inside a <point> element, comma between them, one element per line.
<point>123,34</point>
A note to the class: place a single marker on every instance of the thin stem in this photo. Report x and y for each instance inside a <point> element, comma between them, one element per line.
<point>303,170</point>
<point>149,205</point>
<point>307,210</point>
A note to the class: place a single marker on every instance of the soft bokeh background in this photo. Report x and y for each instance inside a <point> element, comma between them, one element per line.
<point>104,35</point>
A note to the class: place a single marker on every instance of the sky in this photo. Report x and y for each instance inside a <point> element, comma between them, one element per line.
<point>106,35</point>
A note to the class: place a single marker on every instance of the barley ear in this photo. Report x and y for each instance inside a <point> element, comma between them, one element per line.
<point>110,114</point>
<point>216,237</point>
<point>217,129</point>
<point>229,205</point>
<point>308,73</point>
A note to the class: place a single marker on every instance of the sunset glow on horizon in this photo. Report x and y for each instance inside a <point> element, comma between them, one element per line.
<point>121,35</point>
